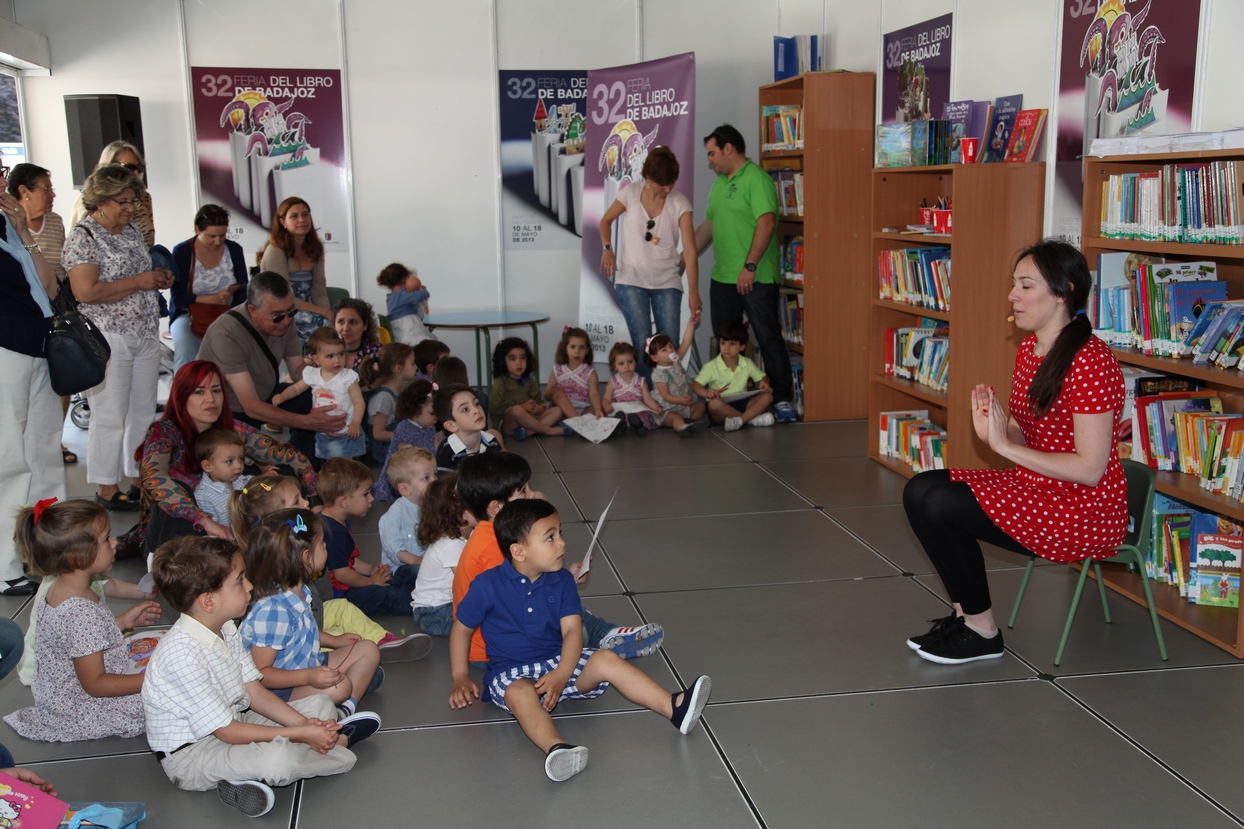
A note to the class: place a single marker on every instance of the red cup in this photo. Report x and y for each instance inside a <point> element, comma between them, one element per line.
<point>969,146</point>
<point>926,215</point>
<point>941,221</point>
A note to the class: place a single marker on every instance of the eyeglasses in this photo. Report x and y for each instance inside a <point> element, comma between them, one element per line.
<point>45,188</point>
<point>136,169</point>
<point>5,170</point>
<point>651,224</point>
<point>128,202</point>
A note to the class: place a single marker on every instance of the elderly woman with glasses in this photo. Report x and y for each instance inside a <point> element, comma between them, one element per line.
<point>111,275</point>
<point>128,156</point>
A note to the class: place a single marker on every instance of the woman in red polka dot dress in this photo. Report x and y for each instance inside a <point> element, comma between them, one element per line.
<point>1066,498</point>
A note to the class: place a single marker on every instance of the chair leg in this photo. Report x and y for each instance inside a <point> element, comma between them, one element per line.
<point>1019,599</point>
<point>1153,612</point>
<point>1071,615</point>
<point>1101,588</point>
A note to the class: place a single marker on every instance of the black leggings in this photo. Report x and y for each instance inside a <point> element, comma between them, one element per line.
<point>950,524</point>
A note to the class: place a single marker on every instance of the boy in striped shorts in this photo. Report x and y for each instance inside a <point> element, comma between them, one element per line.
<point>529,611</point>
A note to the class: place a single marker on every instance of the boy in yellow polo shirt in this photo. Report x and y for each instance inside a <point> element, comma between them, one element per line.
<point>726,375</point>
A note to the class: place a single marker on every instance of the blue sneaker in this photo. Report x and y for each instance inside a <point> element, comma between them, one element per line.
<point>520,434</point>
<point>785,412</point>
<point>633,642</point>
<point>358,727</point>
<point>377,679</point>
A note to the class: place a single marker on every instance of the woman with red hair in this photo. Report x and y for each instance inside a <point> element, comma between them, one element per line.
<point>167,462</point>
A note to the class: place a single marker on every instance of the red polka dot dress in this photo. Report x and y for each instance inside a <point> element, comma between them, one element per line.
<point>1059,520</point>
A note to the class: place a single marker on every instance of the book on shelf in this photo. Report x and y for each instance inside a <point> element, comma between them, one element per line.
<point>1026,135</point>
<point>974,115</point>
<point>795,55</point>
<point>1192,203</point>
<point>1137,383</point>
<point>904,144</point>
<point>1232,139</point>
<point>916,276</point>
<point>1156,418</point>
<point>919,354</point>
<point>1214,568</point>
<point>910,437</point>
<point>789,185</point>
<point>791,260</point>
<point>791,309</point>
<point>796,376</point>
<point>781,127</point>
<point>1001,122</point>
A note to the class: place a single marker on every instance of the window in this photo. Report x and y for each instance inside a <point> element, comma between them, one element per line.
<point>12,146</point>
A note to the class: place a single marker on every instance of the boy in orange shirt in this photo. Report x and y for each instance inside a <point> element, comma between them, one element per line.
<point>486,482</point>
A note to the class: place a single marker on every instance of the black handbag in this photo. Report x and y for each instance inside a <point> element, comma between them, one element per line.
<point>76,350</point>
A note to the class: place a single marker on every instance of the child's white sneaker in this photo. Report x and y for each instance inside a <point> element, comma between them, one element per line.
<point>250,797</point>
<point>564,761</point>
<point>733,424</point>
<point>762,419</point>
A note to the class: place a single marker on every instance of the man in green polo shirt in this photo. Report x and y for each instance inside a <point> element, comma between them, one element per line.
<point>740,224</point>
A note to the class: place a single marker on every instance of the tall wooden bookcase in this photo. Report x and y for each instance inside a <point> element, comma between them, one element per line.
<point>1222,626</point>
<point>837,162</point>
<point>998,211</point>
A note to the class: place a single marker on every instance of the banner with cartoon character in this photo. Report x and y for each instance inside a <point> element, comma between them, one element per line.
<point>630,110</point>
<point>1126,66</point>
<point>915,78</point>
<point>264,135</point>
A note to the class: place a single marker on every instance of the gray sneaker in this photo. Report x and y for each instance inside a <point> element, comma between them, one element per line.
<point>250,797</point>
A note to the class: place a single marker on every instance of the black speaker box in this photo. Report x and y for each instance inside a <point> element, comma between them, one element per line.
<point>94,122</point>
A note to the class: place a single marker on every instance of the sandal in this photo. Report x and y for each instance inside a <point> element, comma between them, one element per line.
<point>119,502</point>
<point>67,456</point>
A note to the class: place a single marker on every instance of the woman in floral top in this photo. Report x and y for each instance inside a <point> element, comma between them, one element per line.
<point>356,325</point>
<point>110,272</point>
<point>169,472</point>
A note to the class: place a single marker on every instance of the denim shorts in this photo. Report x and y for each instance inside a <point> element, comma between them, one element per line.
<point>335,446</point>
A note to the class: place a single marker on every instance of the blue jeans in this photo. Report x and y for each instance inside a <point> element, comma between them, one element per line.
<point>185,343</point>
<point>392,599</point>
<point>594,629</point>
<point>761,305</point>
<point>640,306</point>
<point>435,621</point>
<point>12,642</point>
<point>339,446</point>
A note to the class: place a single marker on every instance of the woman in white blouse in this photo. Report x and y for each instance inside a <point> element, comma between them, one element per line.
<point>647,278</point>
<point>110,272</point>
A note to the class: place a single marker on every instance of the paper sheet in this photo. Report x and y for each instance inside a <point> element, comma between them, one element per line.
<point>743,395</point>
<point>587,557</point>
<point>141,645</point>
<point>631,407</point>
<point>592,427</point>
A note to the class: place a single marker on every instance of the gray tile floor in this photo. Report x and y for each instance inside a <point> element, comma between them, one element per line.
<point>780,563</point>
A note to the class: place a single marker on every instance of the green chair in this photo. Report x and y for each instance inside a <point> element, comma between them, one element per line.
<point>335,295</point>
<point>1140,486</point>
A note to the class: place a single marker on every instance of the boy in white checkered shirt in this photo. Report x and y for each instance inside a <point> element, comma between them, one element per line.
<point>210,721</point>
<point>221,455</point>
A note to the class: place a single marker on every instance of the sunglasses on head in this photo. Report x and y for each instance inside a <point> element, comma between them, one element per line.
<point>651,224</point>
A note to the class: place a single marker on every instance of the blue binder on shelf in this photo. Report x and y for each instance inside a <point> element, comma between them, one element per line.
<point>794,55</point>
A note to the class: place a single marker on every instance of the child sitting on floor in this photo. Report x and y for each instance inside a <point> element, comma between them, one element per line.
<point>210,720</point>
<point>573,386</point>
<point>485,484</point>
<point>386,374</point>
<point>406,304</point>
<point>417,428</point>
<point>726,375</point>
<point>83,689</point>
<point>536,661</point>
<point>410,472</point>
<point>345,487</point>
<point>427,354</point>
<point>444,524</point>
<point>221,454</point>
<point>461,417</point>
<point>628,386</point>
<point>282,555</point>
<point>266,494</point>
<point>516,406</point>
<point>335,388</point>
<point>670,387</point>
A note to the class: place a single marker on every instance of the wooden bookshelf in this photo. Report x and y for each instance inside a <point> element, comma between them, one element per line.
<point>998,211</point>
<point>1221,626</point>
<point>838,118</point>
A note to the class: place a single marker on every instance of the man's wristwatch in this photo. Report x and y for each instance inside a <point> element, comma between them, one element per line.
<point>750,267</point>
<point>608,247</point>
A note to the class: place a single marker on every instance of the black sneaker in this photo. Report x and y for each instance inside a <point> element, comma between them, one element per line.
<point>20,586</point>
<point>962,644</point>
<point>250,797</point>
<point>940,628</point>
<point>359,726</point>
<point>636,425</point>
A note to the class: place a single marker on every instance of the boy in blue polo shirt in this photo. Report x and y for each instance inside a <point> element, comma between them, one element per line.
<point>529,610</point>
<point>726,375</point>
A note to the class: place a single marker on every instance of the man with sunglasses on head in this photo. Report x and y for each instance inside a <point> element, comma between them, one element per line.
<point>248,344</point>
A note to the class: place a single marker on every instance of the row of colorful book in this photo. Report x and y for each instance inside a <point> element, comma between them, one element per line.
<point>1196,552</point>
<point>791,260</point>
<point>1141,301</point>
<point>789,185</point>
<point>919,354</point>
<point>916,276</point>
<point>781,128</point>
<point>913,439</point>
<point>1190,203</point>
<point>791,311</point>
<point>918,143</point>
<point>1005,131</point>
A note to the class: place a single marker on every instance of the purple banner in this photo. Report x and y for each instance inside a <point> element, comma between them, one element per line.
<point>1125,67</point>
<point>262,135</point>
<point>915,82</point>
<point>631,109</point>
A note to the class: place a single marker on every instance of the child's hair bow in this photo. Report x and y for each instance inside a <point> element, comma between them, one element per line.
<point>297,525</point>
<point>40,506</point>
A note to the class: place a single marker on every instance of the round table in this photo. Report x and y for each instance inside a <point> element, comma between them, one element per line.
<point>483,321</point>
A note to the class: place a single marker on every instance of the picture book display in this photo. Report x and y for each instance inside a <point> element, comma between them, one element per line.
<point>998,136</point>
<point>1026,135</point>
